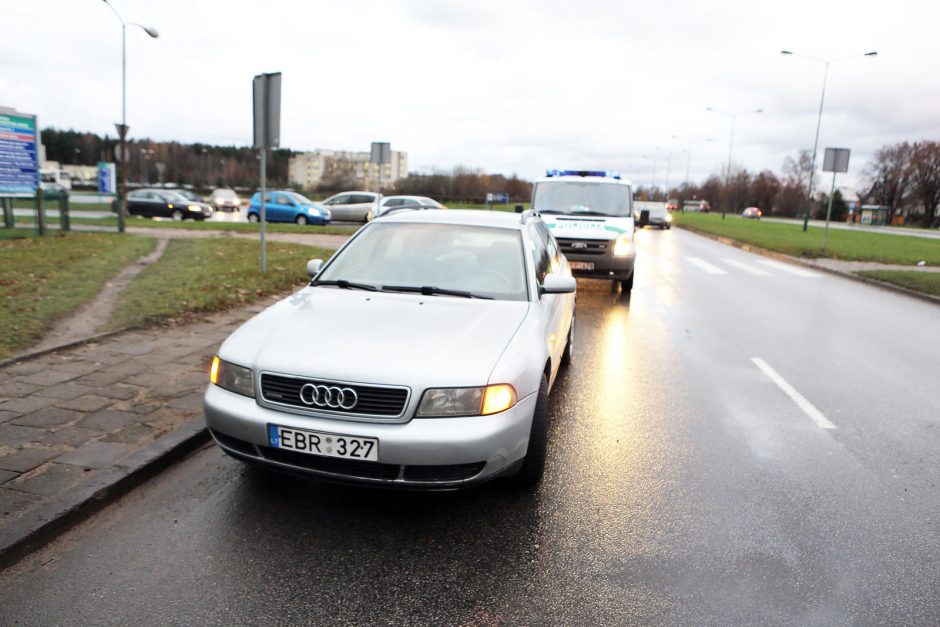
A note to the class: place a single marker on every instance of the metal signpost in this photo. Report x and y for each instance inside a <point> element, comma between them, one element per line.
<point>835,160</point>
<point>381,154</point>
<point>266,92</point>
<point>19,160</point>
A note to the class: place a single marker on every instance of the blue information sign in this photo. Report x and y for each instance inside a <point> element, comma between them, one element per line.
<point>106,178</point>
<point>19,154</point>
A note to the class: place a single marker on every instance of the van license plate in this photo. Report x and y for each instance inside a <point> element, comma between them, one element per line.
<point>581,265</point>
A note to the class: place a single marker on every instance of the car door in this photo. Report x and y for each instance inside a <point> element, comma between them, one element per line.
<point>554,307</point>
<point>140,204</point>
<point>339,207</point>
<point>361,205</point>
<point>283,208</point>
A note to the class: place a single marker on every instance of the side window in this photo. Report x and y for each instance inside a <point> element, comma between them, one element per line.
<point>552,245</point>
<point>340,200</point>
<point>540,254</point>
<point>359,199</point>
<point>282,199</point>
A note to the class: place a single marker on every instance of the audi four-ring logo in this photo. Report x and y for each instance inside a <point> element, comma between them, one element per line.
<point>330,396</point>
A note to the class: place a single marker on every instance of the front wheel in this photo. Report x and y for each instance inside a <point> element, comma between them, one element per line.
<point>568,355</point>
<point>533,464</point>
<point>301,220</point>
<point>177,215</point>
<point>627,285</point>
<point>252,217</point>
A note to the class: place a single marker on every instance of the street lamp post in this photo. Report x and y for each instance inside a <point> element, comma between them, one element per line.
<point>822,100</point>
<point>122,127</point>
<point>734,117</point>
<point>688,157</point>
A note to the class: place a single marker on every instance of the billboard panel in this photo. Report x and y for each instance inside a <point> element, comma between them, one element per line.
<point>19,154</point>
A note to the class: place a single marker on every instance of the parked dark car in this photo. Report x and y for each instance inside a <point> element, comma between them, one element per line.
<point>161,203</point>
<point>287,206</point>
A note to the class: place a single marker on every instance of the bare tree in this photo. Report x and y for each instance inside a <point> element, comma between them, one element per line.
<point>925,175</point>
<point>889,175</point>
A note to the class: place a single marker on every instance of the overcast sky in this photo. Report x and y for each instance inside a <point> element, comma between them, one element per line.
<point>506,86</point>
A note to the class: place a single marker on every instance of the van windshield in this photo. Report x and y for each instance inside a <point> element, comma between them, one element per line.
<point>577,198</point>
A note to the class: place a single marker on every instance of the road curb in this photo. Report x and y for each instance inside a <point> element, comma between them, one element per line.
<point>891,287</point>
<point>52,349</point>
<point>44,524</point>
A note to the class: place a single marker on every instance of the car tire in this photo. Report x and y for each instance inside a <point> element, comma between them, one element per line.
<point>533,464</point>
<point>302,220</point>
<point>369,217</point>
<point>177,215</point>
<point>626,286</point>
<point>568,355</point>
<point>253,217</point>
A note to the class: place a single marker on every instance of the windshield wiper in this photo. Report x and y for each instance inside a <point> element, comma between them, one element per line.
<point>430,290</point>
<point>346,285</point>
<point>549,211</point>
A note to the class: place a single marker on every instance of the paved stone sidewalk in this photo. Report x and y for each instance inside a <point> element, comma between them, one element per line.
<point>70,414</point>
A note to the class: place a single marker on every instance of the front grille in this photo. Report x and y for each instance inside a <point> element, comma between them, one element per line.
<point>345,467</point>
<point>372,400</point>
<point>453,472</point>
<point>583,246</point>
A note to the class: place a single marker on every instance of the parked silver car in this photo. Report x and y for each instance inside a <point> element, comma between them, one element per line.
<point>421,355</point>
<point>354,206</point>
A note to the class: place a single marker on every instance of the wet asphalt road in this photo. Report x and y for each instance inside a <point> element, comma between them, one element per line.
<point>684,486</point>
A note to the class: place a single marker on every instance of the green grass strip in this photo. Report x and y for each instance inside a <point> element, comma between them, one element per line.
<point>207,275</point>
<point>44,278</point>
<point>926,282</point>
<point>790,239</point>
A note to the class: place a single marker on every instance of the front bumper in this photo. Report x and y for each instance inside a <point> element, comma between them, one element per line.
<point>424,453</point>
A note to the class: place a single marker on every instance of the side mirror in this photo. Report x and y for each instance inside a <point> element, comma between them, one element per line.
<point>555,283</point>
<point>313,267</point>
<point>520,208</point>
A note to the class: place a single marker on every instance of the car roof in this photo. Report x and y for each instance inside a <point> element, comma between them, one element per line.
<point>463,217</point>
<point>585,179</point>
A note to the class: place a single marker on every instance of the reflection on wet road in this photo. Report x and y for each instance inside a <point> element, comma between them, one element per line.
<point>682,487</point>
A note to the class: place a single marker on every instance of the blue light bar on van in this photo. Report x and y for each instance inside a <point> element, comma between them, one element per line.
<point>602,173</point>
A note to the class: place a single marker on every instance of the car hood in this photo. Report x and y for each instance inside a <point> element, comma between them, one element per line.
<point>381,338</point>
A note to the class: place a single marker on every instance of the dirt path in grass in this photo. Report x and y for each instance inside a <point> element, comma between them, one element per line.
<point>90,318</point>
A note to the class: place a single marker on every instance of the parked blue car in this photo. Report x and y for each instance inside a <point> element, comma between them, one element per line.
<point>284,206</point>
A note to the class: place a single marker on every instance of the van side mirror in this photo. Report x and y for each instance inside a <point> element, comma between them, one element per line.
<point>555,283</point>
<point>520,208</point>
<point>313,267</point>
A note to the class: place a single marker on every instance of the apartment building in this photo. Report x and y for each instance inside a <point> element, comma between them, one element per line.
<point>310,169</point>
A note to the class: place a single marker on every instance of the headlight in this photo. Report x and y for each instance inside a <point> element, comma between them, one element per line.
<point>481,401</point>
<point>233,378</point>
<point>313,211</point>
<point>668,217</point>
<point>623,246</point>
<point>194,208</point>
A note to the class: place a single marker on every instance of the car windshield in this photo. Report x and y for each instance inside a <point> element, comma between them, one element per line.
<point>300,199</point>
<point>174,197</point>
<point>224,193</point>
<point>574,197</point>
<point>484,261</point>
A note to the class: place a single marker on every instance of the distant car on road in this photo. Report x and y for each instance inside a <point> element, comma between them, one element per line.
<point>161,203</point>
<point>224,199</point>
<point>696,205</point>
<point>652,214</point>
<point>390,203</point>
<point>287,206</point>
<point>354,206</point>
<point>753,213</point>
<point>421,355</point>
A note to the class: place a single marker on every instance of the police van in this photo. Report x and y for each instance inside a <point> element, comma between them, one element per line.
<point>590,213</point>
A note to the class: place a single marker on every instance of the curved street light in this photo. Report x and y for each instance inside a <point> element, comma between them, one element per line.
<point>734,117</point>
<point>122,128</point>
<point>822,99</point>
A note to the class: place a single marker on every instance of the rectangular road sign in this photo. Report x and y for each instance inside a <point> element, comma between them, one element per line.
<point>836,160</point>
<point>381,152</point>
<point>266,92</point>
<point>19,153</point>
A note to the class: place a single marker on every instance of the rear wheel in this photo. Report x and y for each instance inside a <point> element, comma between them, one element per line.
<point>533,465</point>
<point>252,217</point>
<point>301,220</point>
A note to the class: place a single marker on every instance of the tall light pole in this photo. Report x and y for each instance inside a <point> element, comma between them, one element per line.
<point>688,158</point>
<point>822,100</point>
<point>122,127</point>
<point>734,117</point>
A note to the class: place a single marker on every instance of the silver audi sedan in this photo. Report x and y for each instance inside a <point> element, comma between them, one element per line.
<point>422,355</point>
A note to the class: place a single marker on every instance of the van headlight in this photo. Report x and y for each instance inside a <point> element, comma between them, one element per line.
<point>668,217</point>
<point>231,377</point>
<point>623,246</point>
<point>478,401</point>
